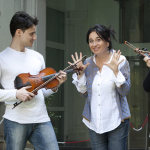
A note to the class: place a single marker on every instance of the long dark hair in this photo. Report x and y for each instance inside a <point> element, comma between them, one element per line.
<point>103,32</point>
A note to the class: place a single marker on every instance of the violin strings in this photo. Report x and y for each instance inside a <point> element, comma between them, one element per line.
<point>130,45</point>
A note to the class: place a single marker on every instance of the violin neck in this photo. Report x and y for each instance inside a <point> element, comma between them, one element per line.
<point>70,70</point>
<point>142,52</point>
<point>45,78</point>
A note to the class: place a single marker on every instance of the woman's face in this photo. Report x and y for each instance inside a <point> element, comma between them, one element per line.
<point>96,44</point>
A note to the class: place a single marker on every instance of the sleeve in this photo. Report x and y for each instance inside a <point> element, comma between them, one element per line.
<point>7,95</point>
<point>125,87</point>
<point>42,63</point>
<point>80,84</point>
<point>47,92</point>
<point>120,79</point>
<point>146,83</point>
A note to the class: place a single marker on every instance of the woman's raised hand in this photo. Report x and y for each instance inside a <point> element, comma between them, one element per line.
<point>113,65</point>
<point>78,62</point>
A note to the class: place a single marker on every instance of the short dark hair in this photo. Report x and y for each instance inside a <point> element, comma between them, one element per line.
<point>23,21</point>
<point>103,32</point>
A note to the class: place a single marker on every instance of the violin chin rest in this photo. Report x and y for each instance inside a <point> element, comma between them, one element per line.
<point>19,83</point>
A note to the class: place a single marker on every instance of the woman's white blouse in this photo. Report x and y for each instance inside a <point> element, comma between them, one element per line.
<point>105,115</point>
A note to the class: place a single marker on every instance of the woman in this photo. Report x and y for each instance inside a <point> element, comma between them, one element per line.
<point>104,82</point>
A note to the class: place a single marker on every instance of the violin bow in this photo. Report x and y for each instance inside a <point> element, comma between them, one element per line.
<point>142,52</point>
<point>46,82</point>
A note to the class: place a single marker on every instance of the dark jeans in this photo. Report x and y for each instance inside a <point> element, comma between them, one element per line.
<point>113,140</point>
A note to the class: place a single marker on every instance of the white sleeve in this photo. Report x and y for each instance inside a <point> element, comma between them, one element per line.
<point>7,95</point>
<point>80,84</point>
<point>43,63</point>
<point>47,92</point>
<point>120,79</point>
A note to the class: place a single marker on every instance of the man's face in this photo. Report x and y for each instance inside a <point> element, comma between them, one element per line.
<point>28,37</point>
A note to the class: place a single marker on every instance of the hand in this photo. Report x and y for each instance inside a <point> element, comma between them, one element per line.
<point>23,95</point>
<point>147,60</point>
<point>113,65</point>
<point>79,64</point>
<point>62,77</point>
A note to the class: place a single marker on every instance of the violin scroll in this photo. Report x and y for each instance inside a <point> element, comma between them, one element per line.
<point>77,70</point>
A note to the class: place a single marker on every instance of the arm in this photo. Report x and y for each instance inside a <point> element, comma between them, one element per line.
<point>120,66</point>
<point>80,80</point>
<point>80,84</point>
<point>125,87</point>
<point>7,95</point>
<point>11,95</point>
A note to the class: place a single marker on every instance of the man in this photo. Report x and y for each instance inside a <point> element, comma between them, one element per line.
<point>29,120</point>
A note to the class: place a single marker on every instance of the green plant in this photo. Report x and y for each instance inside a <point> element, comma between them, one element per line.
<point>52,115</point>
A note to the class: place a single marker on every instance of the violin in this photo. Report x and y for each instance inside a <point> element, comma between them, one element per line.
<point>45,79</point>
<point>143,52</point>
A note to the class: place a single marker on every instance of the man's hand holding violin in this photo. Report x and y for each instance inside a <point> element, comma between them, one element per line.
<point>61,78</point>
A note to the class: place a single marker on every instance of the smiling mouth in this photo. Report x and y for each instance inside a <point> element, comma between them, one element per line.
<point>95,49</point>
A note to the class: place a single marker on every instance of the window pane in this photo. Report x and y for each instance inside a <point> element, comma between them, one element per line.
<point>55,25</point>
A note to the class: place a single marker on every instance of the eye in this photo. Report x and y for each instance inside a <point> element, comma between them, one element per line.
<point>32,33</point>
<point>98,39</point>
<point>90,41</point>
